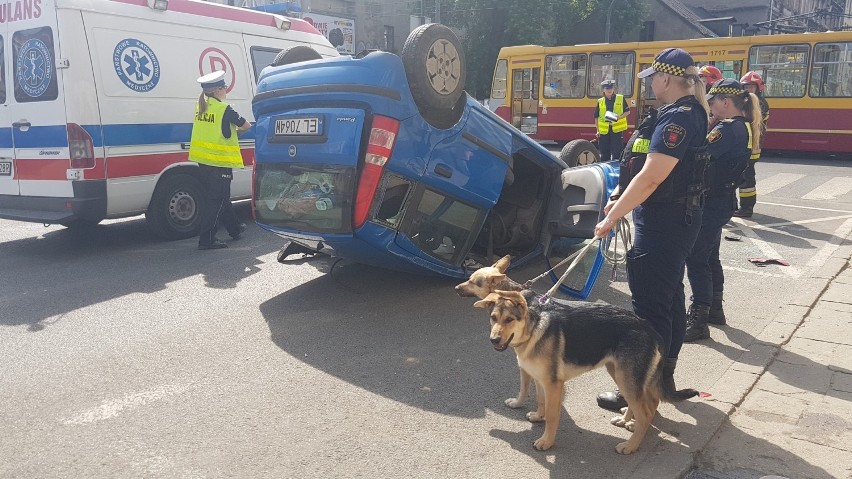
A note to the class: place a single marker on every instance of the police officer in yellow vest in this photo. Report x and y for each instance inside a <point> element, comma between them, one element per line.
<point>215,147</point>
<point>611,116</point>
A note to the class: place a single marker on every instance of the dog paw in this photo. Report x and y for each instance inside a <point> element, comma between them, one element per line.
<point>625,448</point>
<point>618,421</point>
<point>630,425</point>
<point>543,444</point>
<point>623,410</point>
<point>514,403</point>
<point>533,416</point>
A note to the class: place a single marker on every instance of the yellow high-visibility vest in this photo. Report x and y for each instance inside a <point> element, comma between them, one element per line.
<point>618,109</point>
<point>207,144</point>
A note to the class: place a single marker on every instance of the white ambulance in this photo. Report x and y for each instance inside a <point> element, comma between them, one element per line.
<point>97,99</point>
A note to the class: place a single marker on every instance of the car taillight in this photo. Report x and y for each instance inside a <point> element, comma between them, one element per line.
<point>80,147</point>
<point>379,150</point>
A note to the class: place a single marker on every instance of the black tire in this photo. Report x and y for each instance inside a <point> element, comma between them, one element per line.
<point>176,207</point>
<point>435,67</point>
<point>579,152</point>
<point>299,53</point>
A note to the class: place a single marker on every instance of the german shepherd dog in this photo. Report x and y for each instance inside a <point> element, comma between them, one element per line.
<point>557,341</point>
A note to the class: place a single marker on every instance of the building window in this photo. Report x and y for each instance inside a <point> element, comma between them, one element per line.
<point>389,45</point>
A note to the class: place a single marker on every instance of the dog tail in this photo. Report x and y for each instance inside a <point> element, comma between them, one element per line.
<point>677,395</point>
<point>667,384</point>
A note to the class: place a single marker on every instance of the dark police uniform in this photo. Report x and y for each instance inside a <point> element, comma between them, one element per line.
<point>729,145</point>
<point>667,224</point>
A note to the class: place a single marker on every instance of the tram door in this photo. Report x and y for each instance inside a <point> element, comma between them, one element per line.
<point>525,96</point>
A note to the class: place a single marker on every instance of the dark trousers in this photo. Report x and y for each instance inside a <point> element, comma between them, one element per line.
<point>748,187</point>
<point>610,146</point>
<point>217,208</point>
<point>655,266</point>
<point>703,267</point>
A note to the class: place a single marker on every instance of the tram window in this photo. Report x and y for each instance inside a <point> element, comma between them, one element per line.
<point>730,68</point>
<point>565,76</point>
<point>612,66</point>
<point>783,68</point>
<point>831,75</point>
<point>498,85</point>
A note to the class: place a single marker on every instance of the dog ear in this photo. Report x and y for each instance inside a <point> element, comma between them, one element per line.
<point>486,303</point>
<point>502,264</point>
<point>495,278</point>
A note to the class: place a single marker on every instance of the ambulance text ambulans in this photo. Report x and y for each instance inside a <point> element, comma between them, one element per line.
<point>97,99</point>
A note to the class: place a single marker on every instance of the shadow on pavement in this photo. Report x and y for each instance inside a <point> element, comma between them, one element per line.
<point>66,269</point>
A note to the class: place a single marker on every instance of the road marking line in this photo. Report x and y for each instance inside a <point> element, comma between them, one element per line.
<point>831,189</point>
<point>753,271</point>
<point>113,407</point>
<point>772,226</point>
<point>805,207</point>
<point>777,181</point>
<point>837,238</point>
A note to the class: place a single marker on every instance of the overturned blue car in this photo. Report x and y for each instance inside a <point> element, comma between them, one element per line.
<point>385,160</point>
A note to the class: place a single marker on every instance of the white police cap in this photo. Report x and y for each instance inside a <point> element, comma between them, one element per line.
<point>212,80</point>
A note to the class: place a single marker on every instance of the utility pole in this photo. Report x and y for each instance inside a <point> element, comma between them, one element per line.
<point>437,11</point>
<point>608,15</point>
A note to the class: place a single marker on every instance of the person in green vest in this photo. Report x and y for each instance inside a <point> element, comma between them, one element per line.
<point>215,147</point>
<point>611,119</point>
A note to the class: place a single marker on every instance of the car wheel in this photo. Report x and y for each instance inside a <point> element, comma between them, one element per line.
<point>579,152</point>
<point>299,53</point>
<point>175,209</point>
<point>434,64</point>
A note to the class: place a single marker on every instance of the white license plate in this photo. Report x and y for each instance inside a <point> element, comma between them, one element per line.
<point>5,168</point>
<point>298,126</point>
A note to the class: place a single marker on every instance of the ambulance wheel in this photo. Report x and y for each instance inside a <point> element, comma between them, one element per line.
<point>434,64</point>
<point>299,53</point>
<point>175,209</point>
<point>579,152</point>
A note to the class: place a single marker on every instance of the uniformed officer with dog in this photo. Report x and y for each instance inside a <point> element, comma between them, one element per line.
<point>662,182</point>
<point>730,144</point>
<point>611,119</point>
<point>215,147</point>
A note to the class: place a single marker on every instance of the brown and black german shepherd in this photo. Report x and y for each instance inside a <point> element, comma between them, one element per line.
<point>556,342</point>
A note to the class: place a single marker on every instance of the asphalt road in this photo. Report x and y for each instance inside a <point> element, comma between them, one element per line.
<point>125,356</point>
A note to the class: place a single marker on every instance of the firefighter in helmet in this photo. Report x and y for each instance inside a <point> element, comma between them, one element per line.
<point>753,83</point>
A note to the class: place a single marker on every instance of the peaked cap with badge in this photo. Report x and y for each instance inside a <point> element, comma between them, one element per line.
<point>673,61</point>
<point>608,84</point>
<point>212,80</point>
<point>725,87</point>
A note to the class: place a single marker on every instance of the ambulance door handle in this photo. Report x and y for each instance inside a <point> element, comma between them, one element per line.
<point>23,125</point>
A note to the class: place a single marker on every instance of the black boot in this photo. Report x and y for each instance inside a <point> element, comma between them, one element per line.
<point>612,400</point>
<point>744,212</point>
<point>716,316</point>
<point>696,323</point>
<point>668,374</point>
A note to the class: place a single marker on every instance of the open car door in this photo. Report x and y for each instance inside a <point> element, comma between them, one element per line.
<point>576,207</point>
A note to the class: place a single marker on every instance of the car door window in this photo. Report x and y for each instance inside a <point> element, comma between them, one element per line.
<point>441,226</point>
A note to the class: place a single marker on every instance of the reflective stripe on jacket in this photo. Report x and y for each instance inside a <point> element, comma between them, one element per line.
<point>618,109</point>
<point>207,144</point>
